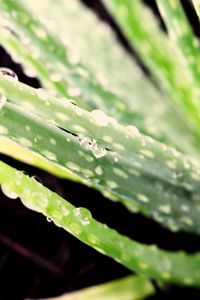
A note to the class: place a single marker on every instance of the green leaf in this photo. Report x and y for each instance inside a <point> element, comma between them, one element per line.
<point>160,56</point>
<point>181,35</point>
<point>119,161</point>
<point>97,81</point>
<point>65,69</point>
<point>197,6</point>
<point>63,113</point>
<point>151,261</point>
<point>128,288</point>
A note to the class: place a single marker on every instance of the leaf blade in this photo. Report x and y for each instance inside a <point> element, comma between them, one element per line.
<point>151,261</point>
<point>128,288</point>
<point>149,180</point>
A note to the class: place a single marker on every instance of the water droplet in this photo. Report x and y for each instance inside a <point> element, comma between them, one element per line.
<point>147,153</point>
<point>61,116</point>
<point>55,77</point>
<point>65,211</point>
<point>40,200</point>
<point>49,219</point>
<point>8,192</point>
<point>132,130</point>
<point>99,170</point>
<point>87,173</point>
<point>165,208</point>
<point>86,143</point>
<point>25,142</point>
<point>74,91</point>
<point>143,198</point>
<point>90,144</point>
<point>42,94</point>
<point>49,155</point>
<point>99,118</point>
<point>30,200</point>
<point>185,208</point>
<point>72,166</point>
<point>116,159</point>
<point>111,184</point>
<point>83,215</point>
<point>9,74</point>
<point>29,72</point>
<point>99,151</point>
<point>120,173</point>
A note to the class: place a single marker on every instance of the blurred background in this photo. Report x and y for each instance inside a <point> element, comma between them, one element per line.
<point>39,260</point>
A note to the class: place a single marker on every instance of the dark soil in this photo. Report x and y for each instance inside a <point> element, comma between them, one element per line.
<point>39,260</point>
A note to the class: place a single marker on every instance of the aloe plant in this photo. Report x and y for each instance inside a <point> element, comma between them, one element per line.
<point>91,123</point>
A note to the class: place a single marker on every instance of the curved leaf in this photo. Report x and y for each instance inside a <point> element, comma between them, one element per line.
<point>166,266</point>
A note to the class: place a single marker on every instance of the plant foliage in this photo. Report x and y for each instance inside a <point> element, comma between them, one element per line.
<point>134,138</point>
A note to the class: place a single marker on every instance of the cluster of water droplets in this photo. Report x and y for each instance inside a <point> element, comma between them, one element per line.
<point>8,74</point>
<point>91,144</point>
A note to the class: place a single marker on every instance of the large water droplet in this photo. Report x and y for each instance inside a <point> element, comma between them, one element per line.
<point>32,200</point>
<point>8,192</point>
<point>99,170</point>
<point>99,117</point>
<point>83,215</point>
<point>90,144</point>
<point>99,151</point>
<point>86,143</point>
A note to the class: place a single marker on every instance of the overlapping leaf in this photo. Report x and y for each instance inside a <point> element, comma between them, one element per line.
<point>117,160</point>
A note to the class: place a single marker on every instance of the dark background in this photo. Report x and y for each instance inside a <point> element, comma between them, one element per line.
<point>37,259</point>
